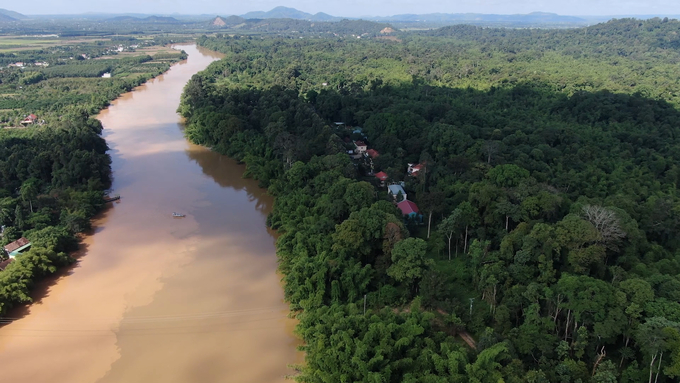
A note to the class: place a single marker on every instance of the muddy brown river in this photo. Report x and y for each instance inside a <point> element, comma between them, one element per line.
<point>154,298</point>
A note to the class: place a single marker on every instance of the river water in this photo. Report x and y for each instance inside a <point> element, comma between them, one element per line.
<point>155,298</point>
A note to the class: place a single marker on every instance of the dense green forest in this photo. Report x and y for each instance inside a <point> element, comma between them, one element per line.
<point>548,191</point>
<point>55,170</point>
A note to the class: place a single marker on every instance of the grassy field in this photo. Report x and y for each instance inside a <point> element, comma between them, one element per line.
<point>22,43</point>
<point>142,51</point>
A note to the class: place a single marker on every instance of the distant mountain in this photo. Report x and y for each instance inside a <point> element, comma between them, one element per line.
<point>227,21</point>
<point>278,13</point>
<point>324,17</point>
<point>290,13</point>
<point>123,18</point>
<point>4,18</point>
<point>160,19</point>
<point>531,19</point>
<point>296,27</point>
<point>12,14</point>
<point>150,19</point>
<point>480,18</point>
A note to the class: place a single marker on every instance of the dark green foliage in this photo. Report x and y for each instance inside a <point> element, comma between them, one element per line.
<point>557,175</point>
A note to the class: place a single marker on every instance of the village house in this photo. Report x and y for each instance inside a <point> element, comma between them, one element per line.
<point>382,176</point>
<point>360,147</point>
<point>15,248</point>
<point>413,169</point>
<point>29,120</point>
<point>409,209</point>
<point>353,155</point>
<point>106,75</point>
<point>372,153</point>
<point>395,190</point>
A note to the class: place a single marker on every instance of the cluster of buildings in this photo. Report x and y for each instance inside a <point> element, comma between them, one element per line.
<point>395,190</point>
<point>121,48</point>
<point>21,64</point>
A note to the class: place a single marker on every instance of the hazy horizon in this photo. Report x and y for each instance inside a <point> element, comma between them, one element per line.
<point>353,8</point>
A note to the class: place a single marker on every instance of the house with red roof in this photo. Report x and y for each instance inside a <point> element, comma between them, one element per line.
<point>382,176</point>
<point>413,169</point>
<point>30,119</point>
<point>409,209</point>
<point>372,153</point>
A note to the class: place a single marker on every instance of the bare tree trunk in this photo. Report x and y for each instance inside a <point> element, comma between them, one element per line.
<point>600,356</point>
<point>466,235</point>
<point>429,222</point>
<point>651,368</point>
<point>506,222</point>
<point>451,235</point>
<point>658,370</point>
<point>566,326</point>
<point>457,239</point>
<point>627,340</point>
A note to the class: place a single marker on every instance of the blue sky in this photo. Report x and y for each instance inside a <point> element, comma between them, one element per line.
<point>352,7</point>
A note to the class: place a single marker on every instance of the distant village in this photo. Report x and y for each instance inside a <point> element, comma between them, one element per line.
<point>109,51</point>
<point>362,153</point>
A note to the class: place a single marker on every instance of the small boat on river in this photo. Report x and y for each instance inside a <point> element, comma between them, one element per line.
<point>112,198</point>
<point>179,215</point>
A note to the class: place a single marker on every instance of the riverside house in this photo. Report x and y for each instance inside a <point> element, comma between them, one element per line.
<point>15,248</point>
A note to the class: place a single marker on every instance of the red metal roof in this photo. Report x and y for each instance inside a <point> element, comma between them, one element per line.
<point>17,244</point>
<point>407,207</point>
<point>373,153</point>
<point>359,143</point>
<point>417,168</point>
<point>381,175</point>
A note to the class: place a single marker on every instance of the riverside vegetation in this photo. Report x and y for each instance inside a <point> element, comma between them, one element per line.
<point>550,185</point>
<point>53,172</point>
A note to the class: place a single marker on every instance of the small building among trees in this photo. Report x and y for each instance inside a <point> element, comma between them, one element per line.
<point>396,190</point>
<point>15,248</point>
<point>409,209</point>
<point>29,120</point>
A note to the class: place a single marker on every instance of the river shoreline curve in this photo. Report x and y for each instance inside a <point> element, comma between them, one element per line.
<point>155,298</point>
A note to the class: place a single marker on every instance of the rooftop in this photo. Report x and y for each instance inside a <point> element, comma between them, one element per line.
<point>395,189</point>
<point>16,245</point>
<point>408,207</point>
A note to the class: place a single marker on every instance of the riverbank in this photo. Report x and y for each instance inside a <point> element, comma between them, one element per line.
<point>201,291</point>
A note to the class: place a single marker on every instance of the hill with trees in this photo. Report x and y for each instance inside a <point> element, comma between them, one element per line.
<point>12,14</point>
<point>547,187</point>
